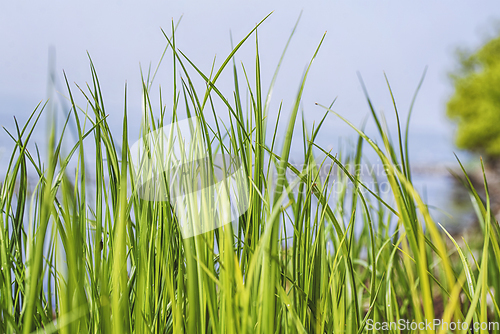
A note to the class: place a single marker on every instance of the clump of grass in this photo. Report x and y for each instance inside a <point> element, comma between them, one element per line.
<point>95,257</point>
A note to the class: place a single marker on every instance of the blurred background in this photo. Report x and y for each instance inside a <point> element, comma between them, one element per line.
<point>400,39</point>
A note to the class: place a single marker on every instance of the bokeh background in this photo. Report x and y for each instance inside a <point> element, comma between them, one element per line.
<point>371,38</point>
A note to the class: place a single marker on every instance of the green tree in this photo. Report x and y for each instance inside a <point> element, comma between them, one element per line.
<point>475,105</point>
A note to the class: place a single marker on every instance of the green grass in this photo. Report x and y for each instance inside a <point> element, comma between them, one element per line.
<point>82,252</point>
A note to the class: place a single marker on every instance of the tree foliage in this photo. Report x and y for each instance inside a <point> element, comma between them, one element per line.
<point>475,105</point>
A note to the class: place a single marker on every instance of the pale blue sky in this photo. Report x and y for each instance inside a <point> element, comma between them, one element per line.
<point>371,37</point>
